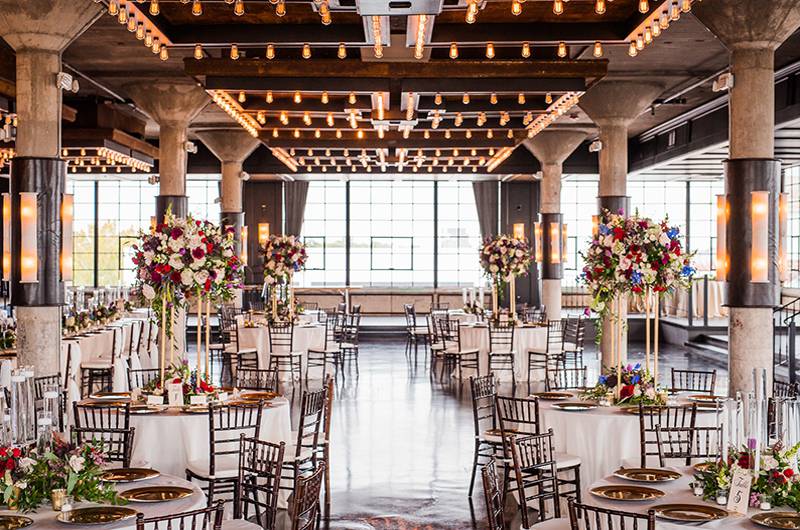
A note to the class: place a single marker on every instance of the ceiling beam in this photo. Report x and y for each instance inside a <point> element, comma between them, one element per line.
<point>259,35</point>
<point>496,85</point>
<point>517,33</point>
<point>390,140</point>
<point>301,84</point>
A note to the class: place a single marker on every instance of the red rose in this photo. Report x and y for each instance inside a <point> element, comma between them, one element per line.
<point>16,453</point>
<point>788,472</point>
<point>9,465</point>
<point>626,392</point>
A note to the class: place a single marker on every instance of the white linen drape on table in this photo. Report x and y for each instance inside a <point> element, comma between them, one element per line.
<point>305,336</point>
<point>525,339</point>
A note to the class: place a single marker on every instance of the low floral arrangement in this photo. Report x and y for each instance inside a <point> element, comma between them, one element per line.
<point>283,256</point>
<point>8,333</point>
<point>192,384</point>
<point>776,484</point>
<point>283,313</point>
<point>29,478</point>
<point>473,308</point>
<point>637,387</point>
<point>504,258</point>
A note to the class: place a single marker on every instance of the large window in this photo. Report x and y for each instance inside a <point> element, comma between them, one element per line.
<point>459,235</point>
<point>324,233</point>
<point>791,185</point>
<point>578,205</point>
<point>83,232</point>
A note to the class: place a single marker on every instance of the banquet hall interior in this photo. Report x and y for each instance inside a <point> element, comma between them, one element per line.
<point>387,264</point>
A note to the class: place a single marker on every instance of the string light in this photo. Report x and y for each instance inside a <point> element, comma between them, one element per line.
<point>644,6</point>
<point>521,98</point>
<point>598,49</point>
<point>453,50</point>
<point>548,98</point>
<point>280,8</point>
<point>558,7</point>
<point>351,99</point>
<point>562,49</point>
<point>472,11</point>
<point>198,51</point>
<point>298,98</point>
<point>324,98</point>
<point>238,8</point>
<point>269,97</point>
<point>493,99</point>
<point>526,50</point>
<point>234,52</point>
<point>419,44</point>
<point>489,50</point>
<point>329,119</point>
<point>307,118</point>
<point>465,98</point>
<point>306,51</point>
<point>516,8</point>
<point>270,51</point>
<point>342,53</point>
<point>600,6</point>
<point>377,34</point>
<point>242,97</point>
<point>437,99</point>
<point>632,51</point>
<point>154,10</point>
<point>197,8</point>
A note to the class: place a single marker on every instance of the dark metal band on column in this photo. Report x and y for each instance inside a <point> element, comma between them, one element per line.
<point>550,271</point>
<point>179,204</point>
<point>235,220</point>
<point>47,178</point>
<point>614,203</point>
<point>743,176</point>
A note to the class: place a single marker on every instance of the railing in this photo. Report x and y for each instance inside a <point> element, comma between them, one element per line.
<point>784,340</point>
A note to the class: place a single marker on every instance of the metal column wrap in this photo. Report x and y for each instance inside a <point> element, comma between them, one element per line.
<point>235,220</point>
<point>47,178</point>
<point>743,176</point>
<point>614,203</point>
<point>550,271</point>
<point>179,204</point>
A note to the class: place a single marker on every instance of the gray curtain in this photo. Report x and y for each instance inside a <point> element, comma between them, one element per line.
<point>486,196</point>
<point>295,195</point>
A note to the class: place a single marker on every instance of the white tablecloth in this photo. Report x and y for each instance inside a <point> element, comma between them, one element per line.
<point>45,517</point>
<point>525,338</point>
<point>305,336</point>
<point>170,440</point>
<point>604,438</point>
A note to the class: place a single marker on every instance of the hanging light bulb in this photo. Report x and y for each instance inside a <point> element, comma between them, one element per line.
<point>198,51</point>
<point>377,37</point>
<point>132,24</point>
<point>465,98</point>
<point>113,8</point>
<point>156,47</point>
<point>339,134</point>
<point>298,98</point>
<point>521,98</point>
<point>686,5</point>
<point>548,98</point>
<point>675,11</point>
<point>468,134</point>
<point>639,42</point>
<point>351,99</point>
<point>663,19</point>
<point>197,8</point>
<point>154,10</point>
<point>632,51</point>
<point>280,8</point>
<point>275,133</point>
<point>269,97</point>
<point>307,118</point>
<point>242,97</point>
<point>329,119</point>
<point>600,6</point>
<point>238,8</point>
<point>516,8</point>
<point>644,6</point>
<point>284,118</point>
<point>526,50</point>
<point>270,51</point>
<point>453,50</point>
<point>493,98</point>
<point>140,30</point>
<point>655,27</point>
<point>234,52</point>
<point>562,49</point>
<point>306,51</point>
<point>489,134</point>
<point>297,133</point>
<point>342,53</point>
<point>489,50</point>
<point>598,49</point>
<point>163,54</point>
<point>437,99</point>
<point>324,99</point>
<point>648,35</point>
<point>558,7</point>
<point>459,120</point>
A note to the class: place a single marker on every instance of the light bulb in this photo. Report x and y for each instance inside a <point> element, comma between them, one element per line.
<point>454,50</point>
<point>329,119</point>
<point>140,30</point>
<point>324,98</point>
<point>437,99</point>
<point>632,51</point>
<point>468,134</point>
<point>600,6</point>
<point>242,97</point>
<point>306,51</point>
<point>598,49</point>
<point>113,8</point>
<point>489,134</point>
<point>558,7</point>
<point>298,98</point>
<point>198,51</point>
<point>238,8</point>
<point>648,35</point>
<point>639,42</point>
<point>562,49</point>
<point>280,8</point>
<point>489,50</point>
<point>686,5</point>
<point>516,7</point>
<point>548,98</point>
<point>465,98</point>
<point>163,54</point>
<point>663,20</point>
<point>270,51</point>
<point>351,99</point>
<point>526,50</point>
<point>156,47</point>
<point>275,133</point>
<point>644,6</point>
<point>493,99</point>
<point>197,8</point>
<point>269,96</point>
<point>234,52</point>
<point>521,98</point>
<point>655,28</point>
<point>307,118</point>
<point>675,11</point>
<point>342,53</point>
<point>148,38</point>
<point>154,10</point>
<point>132,24</point>
<point>297,133</point>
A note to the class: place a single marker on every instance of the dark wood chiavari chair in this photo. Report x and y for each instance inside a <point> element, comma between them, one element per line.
<point>304,455</point>
<point>436,343</point>
<point>501,348</point>
<point>534,315</point>
<point>305,500</point>
<point>415,334</point>
<point>535,475</point>
<point>688,443</point>
<point>574,338</point>
<point>493,496</point>
<point>784,389</point>
<point>250,379</point>
<point>551,355</point>
<point>650,417</point>
<point>246,358</point>
<point>326,447</point>
<point>699,381</point>
<point>562,378</point>
<point>585,517</point>
<point>260,465</point>
<point>348,341</point>
<point>108,423</point>
<point>329,353</point>
<point>219,474</point>
<point>142,378</point>
<point>282,357</point>
<point>487,440</point>
<point>39,390</point>
<point>453,353</point>
<point>209,518</point>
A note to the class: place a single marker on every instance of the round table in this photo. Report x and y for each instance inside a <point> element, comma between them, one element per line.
<point>525,338</point>
<point>45,517</point>
<point>169,440</point>
<point>603,438</point>
<point>305,336</point>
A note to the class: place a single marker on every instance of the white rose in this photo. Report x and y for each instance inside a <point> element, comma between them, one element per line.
<point>227,253</point>
<point>176,262</point>
<point>198,263</point>
<point>21,484</point>
<point>175,244</point>
<point>200,277</point>
<point>186,277</point>
<point>148,292</point>
<point>76,463</point>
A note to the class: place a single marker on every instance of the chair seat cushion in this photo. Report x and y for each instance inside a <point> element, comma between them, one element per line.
<point>470,351</point>
<point>286,354</point>
<point>96,365</point>
<point>564,460</point>
<point>239,524</point>
<point>330,351</point>
<point>420,331</point>
<point>511,352</point>
<point>226,466</point>
<point>238,351</point>
<point>561,523</point>
<point>347,346</point>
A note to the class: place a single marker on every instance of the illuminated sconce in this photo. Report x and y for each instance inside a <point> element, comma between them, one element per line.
<point>6,236</point>
<point>759,225</point>
<point>67,217</point>
<point>263,233</point>
<point>555,243</point>
<point>595,225</point>
<point>783,231</point>
<point>722,241</point>
<point>537,240</point>
<point>153,223</point>
<point>519,230</point>
<point>29,254</point>
<point>243,256</point>
<point>564,254</point>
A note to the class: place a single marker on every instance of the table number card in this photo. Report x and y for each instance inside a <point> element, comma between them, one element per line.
<point>739,495</point>
<point>175,391</point>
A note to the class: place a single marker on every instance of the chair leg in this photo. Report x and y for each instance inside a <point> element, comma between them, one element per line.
<point>474,468</point>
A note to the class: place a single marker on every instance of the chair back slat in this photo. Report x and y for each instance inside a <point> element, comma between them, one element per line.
<point>107,423</point>
<point>260,465</point>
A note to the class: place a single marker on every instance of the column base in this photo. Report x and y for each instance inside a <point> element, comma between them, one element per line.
<point>178,203</point>
<point>551,298</point>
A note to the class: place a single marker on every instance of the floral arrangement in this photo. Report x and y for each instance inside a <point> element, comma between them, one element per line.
<point>637,387</point>
<point>503,258</point>
<point>283,256</point>
<point>776,482</point>
<point>192,384</point>
<point>8,333</point>
<point>631,255</point>
<point>29,478</point>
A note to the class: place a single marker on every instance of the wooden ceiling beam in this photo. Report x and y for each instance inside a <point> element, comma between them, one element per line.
<point>508,86</point>
<point>478,104</point>
<point>259,35</point>
<point>301,84</point>
<point>390,140</point>
<point>517,33</point>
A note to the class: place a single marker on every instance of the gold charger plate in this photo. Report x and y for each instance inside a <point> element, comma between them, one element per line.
<point>104,403</point>
<point>255,395</point>
<point>129,474</point>
<point>195,409</point>
<point>616,492</point>
<point>645,474</point>
<point>575,406</point>
<point>635,409</point>
<point>14,522</point>
<point>689,513</point>
<point>113,396</point>
<point>780,520</point>
<point>553,396</point>
<point>703,398</point>
<point>96,515</point>
<point>156,494</point>
<point>704,466</point>
<point>146,409</point>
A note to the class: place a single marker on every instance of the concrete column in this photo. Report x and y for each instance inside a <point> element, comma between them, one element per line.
<point>613,105</point>
<point>551,148</point>
<point>38,33</point>
<point>173,106</point>
<point>751,33</point>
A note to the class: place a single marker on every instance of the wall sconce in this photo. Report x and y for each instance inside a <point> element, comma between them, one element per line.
<point>759,225</point>
<point>153,223</point>
<point>722,241</point>
<point>29,252</point>
<point>67,217</point>
<point>783,236</point>
<point>564,253</point>
<point>537,241</point>
<point>555,243</point>
<point>6,236</point>
<point>263,233</point>
<point>519,230</point>
<point>243,256</point>
<point>595,225</point>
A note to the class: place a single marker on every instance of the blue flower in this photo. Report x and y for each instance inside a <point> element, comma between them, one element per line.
<point>673,232</point>
<point>688,270</point>
<point>637,366</point>
<point>604,229</point>
<point>602,380</point>
<point>636,277</point>
<point>635,379</point>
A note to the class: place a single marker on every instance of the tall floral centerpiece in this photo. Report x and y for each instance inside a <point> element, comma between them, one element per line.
<point>633,255</point>
<point>503,258</point>
<point>284,255</point>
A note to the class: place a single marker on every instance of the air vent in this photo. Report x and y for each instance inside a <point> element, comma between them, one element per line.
<point>399,7</point>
